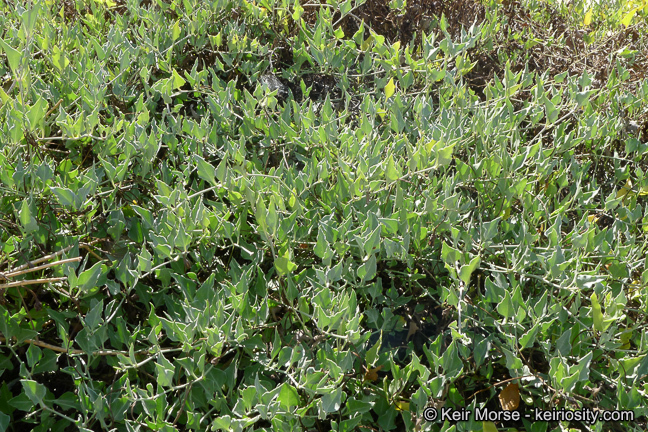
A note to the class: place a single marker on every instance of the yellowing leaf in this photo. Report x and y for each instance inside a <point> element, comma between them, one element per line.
<point>175,33</point>
<point>593,218</point>
<point>624,190</point>
<point>293,198</point>
<point>488,426</point>
<point>444,156</point>
<point>367,43</point>
<point>402,406</point>
<point>510,397</point>
<point>284,265</point>
<point>59,58</point>
<point>588,18</point>
<point>390,88</point>
<point>643,190</point>
<point>372,374</point>
<point>429,146</point>
<point>413,328</point>
<point>4,97</point>
<point>628,17</point>
<point>625,339</point>
<point>597,315</point>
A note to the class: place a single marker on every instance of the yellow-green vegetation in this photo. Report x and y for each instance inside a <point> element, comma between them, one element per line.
<point>306,215</point>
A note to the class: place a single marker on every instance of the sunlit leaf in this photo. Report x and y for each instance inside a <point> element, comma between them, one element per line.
<point>288,396</point>
<point>402,406</point>
<point>26,219</point>
<point>372,353</point>
<point>628,17</point>
<point>177,80</point>
<point>468,269</point>
<point>284,265</point>
<point>393,171</point>
<point>332,401</point>
<point>367,43</point>
<point>643,190</point>
<point>597,315</point>
<point>206,170</point>
<point>175,32</point>
<point>88,278</point>
<point>625,190</point>
<point>13,55</point>
<point>37,112</point>
<point>390,88</point>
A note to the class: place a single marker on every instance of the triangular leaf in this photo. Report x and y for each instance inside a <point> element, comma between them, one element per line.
<point>88,278</point>
<point>65,196</point>
<point>175,33</point>
<point>390,88</point>
<point>393,171</point>
<point>35,391</point>
<point>25,214</point>
<point>628,17</point>
<point>206,170</point>
<point>284,265</point>
<point>37,112</point>
<point>261,213</point>
<point>178,81</point>
<point>12,55</point>
<point>468,269</point>
<point>372,353</point>
<point>221,171</point>
<point>505,307</point>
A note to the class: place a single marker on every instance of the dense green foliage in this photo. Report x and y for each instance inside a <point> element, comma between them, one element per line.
<point>379,235</point>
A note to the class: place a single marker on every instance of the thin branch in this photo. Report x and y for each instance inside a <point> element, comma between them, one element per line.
<point>75,351</point>
<point>44,266</point>
<point>31,282</point>
<point>43,259</point>
<point>53,108</point>
<point>502,382</point>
